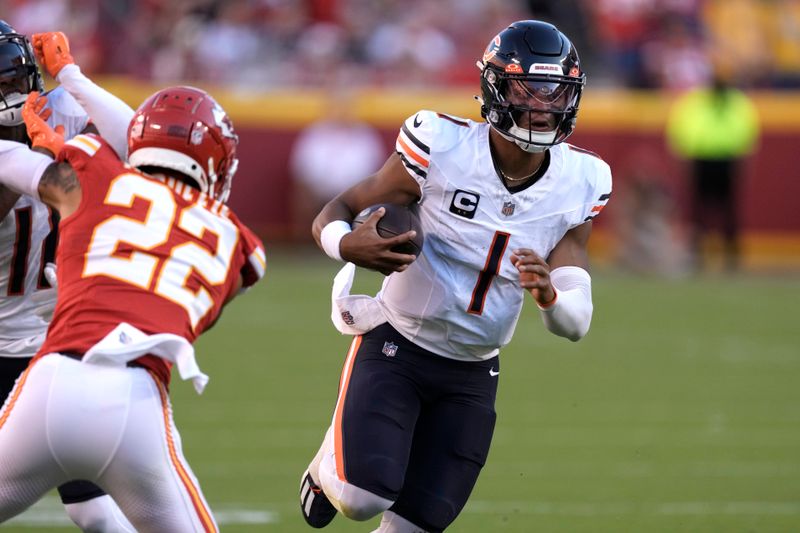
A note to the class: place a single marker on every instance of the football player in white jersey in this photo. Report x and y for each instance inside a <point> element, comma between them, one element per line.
<point>506,208</point>
<point>28,238</point>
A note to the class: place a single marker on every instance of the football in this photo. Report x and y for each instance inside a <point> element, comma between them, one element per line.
<point>397,220</point>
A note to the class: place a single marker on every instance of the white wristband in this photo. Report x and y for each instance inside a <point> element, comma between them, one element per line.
<point>331,236</point>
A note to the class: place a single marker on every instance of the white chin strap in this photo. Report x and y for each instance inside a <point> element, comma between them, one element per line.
<point>544,139</point>
<point>12,114</point>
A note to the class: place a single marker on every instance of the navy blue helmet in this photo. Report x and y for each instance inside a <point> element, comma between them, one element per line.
<point>19,74</point>
<point>531,84</point>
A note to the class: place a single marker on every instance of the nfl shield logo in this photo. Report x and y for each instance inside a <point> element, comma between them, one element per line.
<point>389,349</point>
<point>348,319</point>
<point>508,208</point>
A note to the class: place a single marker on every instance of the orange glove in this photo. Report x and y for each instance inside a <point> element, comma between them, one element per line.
<point>52,51</point>
<point>41,134</point>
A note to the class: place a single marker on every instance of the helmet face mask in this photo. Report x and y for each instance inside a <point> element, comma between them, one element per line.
<point>531,84</point>
<point>19,74</point>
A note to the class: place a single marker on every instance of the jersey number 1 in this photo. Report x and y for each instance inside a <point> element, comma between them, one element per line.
<point>22,249</point>
<point>487,275</point>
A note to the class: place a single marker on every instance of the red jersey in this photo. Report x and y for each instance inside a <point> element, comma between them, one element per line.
<point>157,254</point>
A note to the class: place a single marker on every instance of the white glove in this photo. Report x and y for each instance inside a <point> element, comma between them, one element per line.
<point>50,273</point>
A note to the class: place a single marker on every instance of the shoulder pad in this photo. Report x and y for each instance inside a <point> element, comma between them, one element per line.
<point>83,148</point>
<point>425,133</point>
<point>598,176</point>
<point>87,143</point>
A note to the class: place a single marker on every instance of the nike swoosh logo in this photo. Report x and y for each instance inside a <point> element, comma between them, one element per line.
<point>493,373</point>
<point>417,121</point>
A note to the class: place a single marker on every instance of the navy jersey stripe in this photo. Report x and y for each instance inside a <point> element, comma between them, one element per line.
<point>584,151</point>
<point>19,257</point>
<point>419,144</point>
<point>411,166</point>
<point>49,247</point>
<point>454,121</point>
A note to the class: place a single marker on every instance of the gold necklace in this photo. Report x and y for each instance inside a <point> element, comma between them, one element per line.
<point>514,180</point>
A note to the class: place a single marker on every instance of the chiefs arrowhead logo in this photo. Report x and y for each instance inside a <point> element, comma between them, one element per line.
<point>223,121</point>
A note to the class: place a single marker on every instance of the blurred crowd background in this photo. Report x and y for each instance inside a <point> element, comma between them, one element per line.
<point>318,88</point>
<point>668,44</point>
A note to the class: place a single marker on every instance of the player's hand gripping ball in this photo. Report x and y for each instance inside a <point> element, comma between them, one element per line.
<point>397,220</point>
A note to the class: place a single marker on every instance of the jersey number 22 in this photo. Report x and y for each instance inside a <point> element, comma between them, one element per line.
<point>184,260</point>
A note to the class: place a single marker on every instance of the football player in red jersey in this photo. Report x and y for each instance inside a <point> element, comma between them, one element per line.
<point>149,255</point>
<point>29,229</point>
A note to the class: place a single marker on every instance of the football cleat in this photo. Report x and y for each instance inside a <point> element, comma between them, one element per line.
<point>317,509</point>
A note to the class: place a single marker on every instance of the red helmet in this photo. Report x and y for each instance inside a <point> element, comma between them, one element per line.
<point>185,129</point>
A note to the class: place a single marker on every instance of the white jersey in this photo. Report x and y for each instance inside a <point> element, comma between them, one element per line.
<point>461,298</point>
<point>28,238</point>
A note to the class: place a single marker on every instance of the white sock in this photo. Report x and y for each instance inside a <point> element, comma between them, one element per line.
<point>353,502</point>
<point>327,447</point>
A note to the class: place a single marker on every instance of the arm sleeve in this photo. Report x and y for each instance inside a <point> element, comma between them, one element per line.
<point>571,314</point>
<point>21,168</point>
<point>110,114</point>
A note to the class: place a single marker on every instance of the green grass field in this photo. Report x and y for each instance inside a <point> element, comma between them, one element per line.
<point>679,412</point>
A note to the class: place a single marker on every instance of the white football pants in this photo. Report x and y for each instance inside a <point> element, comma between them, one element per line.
<point>111,425</point>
